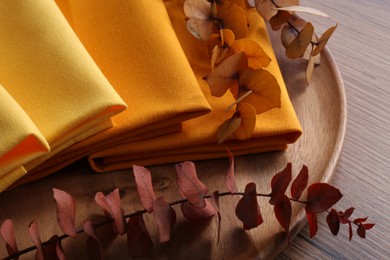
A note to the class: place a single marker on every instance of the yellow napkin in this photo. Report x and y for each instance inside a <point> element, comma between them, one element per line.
<point>136,48</point>
<point>274,129</point>
<point>52,93</point>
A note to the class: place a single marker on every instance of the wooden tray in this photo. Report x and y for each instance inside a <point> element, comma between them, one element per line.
<point>321,111</point>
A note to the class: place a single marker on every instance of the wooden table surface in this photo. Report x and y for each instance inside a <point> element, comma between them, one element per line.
<point>361,48</point>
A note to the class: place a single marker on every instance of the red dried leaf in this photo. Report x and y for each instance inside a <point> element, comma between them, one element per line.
<point>343,216</point>
<point>248,210</point>
<point>321,196</point>
<point>138,237</point>
<point>195,214</point>
<point>112,208</point>
<point>8,233</point>
<point>33,232</point>
<point>361,231</point>
<point>350,230</point>
<point>300,183</point>
<point>230,180</point>
<point>94,248</point>
<point>360,220</point>
<point>54,250</point>
<point>192,188</point>
<point>368,226</point>
<point>283,214</point>
<point>66,212</point>
<point>146,193</point>
<point>163,217</point>
<point>333,222</point>
<point>279,185</point>
<point>215,203</point>
<point>312,219</point>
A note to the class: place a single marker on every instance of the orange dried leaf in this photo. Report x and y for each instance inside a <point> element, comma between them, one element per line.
<point>310,68</point>
<point>224,76</point>
<point>228,128</point>
<point>287,35</point>
<point>225,38</point>
<point>265,87</point>
<point>199,18</point>
<point>303,9</point>
<point>298,46</point>
<point>267,8</point>
<point>247,114</point>
<point>257,57</point>
<point>240,3</point>
<point>279,19</point>
<point>324,40</point>
<point>218,55</point>
<point>231,16</point>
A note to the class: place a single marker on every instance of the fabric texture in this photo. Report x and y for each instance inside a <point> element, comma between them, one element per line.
<point>197,140</point>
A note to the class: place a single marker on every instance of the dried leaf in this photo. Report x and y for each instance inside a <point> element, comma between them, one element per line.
<point>267,9</point>
<point>199,18</point>
<point>310,67</point>
<point>300,183</point>
<point>229,179</point>
<point>218,55</point>
<point>8,233</point>
<point>33,232</point>
<point>162,214</point>
<point>66,212</point>
<point>298,46</point>
<point>225,76</point>
<point>247,113</point>
<point>265,87</point>
<point>350,230</point>
<point>251,3</point>
<point>343,216</point>
<point>231,16</point>
<point>279,184</point>
<point>215,203</point>
<point>312,219</point>
<point>228,128</point>
<point>54,250</point>
<point>303,9</point>
<point>138,237</point>
<point>239,3</point>
<point>279,19</point>
<point>368,226</point>
<point>143,181</point>
<point>195,214</point>
<point>324,40</point>
<point>287,35</point>
<point>257,57</point>
<point>225,38</point>
<point>111,205</point>
<point>333,222</point>
<point>94,248</point>
<point>247,209</point>
<point>321,196</point>
<point>283,213</point>
<point>360,220</point>
<point>361,231</point>
<point>189,184</point>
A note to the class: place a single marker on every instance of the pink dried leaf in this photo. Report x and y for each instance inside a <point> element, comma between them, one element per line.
<point>114,201</point>
<point>138,237</point>
<point>33,232</point>
<point>300,183</point>
<point>196,214</point>
<point>143,181</point>
<point>162,214</point>
<point>94,248</point>
<point>189,184</point>
<point>230,180</point>
<point>215,202</point>
<point>100,199</point>
<point>279,184</point>
<point>247,209</point>
<point>8,233</point>
<point>53,250</point>
<point>66,212</point>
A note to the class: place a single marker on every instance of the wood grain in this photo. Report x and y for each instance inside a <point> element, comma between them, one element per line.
<point>361,49</point>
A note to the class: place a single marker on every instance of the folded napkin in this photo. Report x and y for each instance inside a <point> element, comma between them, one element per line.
<point>134,45</point>
<point>53,94</point>
<point>197,140</point>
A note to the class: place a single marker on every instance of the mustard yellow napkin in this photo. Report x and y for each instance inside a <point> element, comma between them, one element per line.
<point>274,129</point>
<point>136,48</point>
<point>52,93</point>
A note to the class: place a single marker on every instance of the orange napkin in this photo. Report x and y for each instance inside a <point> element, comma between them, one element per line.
<point>274,129</point>
<point>52,93</point>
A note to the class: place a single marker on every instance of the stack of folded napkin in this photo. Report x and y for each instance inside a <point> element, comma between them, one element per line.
<point>67,67</point>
